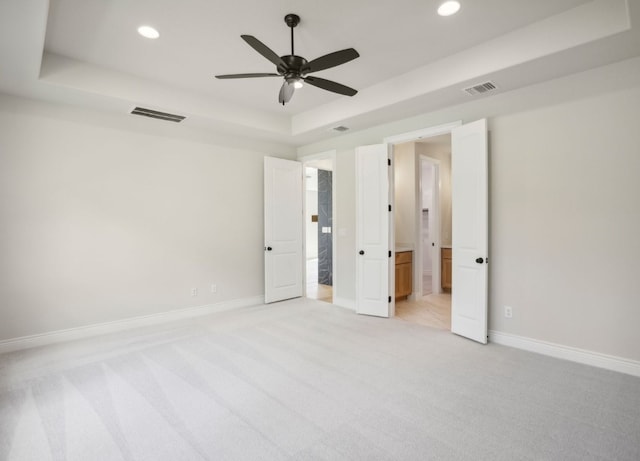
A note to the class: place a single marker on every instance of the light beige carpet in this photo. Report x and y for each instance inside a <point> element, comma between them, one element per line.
<point>303,380</point>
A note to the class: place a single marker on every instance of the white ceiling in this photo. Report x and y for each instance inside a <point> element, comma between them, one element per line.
<point>87,52</point>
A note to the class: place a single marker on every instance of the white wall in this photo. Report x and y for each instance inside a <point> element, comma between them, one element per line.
<point>565,223</point>
<point>345,207</point>
<point>312,227</point>
<point>564,208</point>
<point>404,194</point>
<point>99,224</point>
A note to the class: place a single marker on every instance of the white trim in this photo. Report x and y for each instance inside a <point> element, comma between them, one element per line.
<point>423,133</point>
<point>53,337</point>
<point>319,156</point>
<point>417,256</point>
<point>609,362</point>
<point>346,303</point>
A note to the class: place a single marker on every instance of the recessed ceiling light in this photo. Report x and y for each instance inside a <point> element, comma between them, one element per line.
<point>448,8</point>
<point>148,32</point>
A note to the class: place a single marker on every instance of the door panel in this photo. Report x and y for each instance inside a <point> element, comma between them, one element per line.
<point>282,229</point>
<point>469,165</point>
<point>372,269</point>
<point>372,231</point>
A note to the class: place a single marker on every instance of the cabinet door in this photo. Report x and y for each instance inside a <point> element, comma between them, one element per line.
<point>446,273</point>
<point>404,274</point>
<point>398,290</point>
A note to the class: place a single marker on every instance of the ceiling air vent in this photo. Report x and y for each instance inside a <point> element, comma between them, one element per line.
<point>340,128</point>
<point>481,88</point>
<point>159,115</point>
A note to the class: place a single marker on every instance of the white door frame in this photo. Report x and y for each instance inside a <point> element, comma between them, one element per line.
<point>413,136</point>
<point>434,213</point>
<point>330,154</point>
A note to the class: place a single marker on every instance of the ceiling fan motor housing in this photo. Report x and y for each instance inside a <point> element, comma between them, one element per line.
<point>295,65</point>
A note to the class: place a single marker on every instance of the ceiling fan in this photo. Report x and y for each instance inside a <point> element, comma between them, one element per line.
<point>295,69</point>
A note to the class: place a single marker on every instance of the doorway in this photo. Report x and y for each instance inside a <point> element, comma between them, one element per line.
<point>422,200</point>
<point>377,231</point>
<point>319,227</point>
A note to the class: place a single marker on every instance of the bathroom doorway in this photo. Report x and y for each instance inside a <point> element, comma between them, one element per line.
<point>319,226</point>
<point>427,210</point>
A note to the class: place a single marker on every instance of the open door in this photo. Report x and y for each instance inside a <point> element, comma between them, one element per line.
<point>469,195</point>
<point>282,229</point>
<point>373,215</point>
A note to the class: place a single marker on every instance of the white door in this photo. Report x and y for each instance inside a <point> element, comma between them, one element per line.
<point>282,229</point>
<point>469,197</point>
<point>373,277</point>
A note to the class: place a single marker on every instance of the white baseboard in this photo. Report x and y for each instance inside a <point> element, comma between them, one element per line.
<point>346,303</point>
<point>609,362</point>
<point>53,337</point>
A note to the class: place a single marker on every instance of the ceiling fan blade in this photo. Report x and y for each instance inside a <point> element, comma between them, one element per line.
<point>247,75</point>
<point>286,93</point>
<point>330,86</point>
<point>331,60</point>
<point>264,50</point>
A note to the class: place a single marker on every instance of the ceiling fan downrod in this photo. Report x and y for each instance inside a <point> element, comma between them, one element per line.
<point>292,20</point>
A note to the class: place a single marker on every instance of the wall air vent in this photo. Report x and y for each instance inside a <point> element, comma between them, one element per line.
<point>340,128</point>
<point>159,115</point>
<point>481,88</point>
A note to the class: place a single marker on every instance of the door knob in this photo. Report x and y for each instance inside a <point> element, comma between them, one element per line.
<point>269,248</point>
<point>479,260</point>
<point>361,252</point>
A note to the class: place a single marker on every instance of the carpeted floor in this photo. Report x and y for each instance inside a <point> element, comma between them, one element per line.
<point>303,380</point>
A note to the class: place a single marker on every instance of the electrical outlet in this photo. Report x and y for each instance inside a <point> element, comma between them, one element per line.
<point>508,312</point>
<point>214,288</point>
<point>194,292</point>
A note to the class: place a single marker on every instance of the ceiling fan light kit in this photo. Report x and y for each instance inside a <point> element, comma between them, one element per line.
<point>295,69</point>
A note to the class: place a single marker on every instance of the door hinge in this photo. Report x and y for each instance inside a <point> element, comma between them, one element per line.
<point>389,161</point>
<point>389,298</point>
<point>389,253</point>
<point>389,207</point>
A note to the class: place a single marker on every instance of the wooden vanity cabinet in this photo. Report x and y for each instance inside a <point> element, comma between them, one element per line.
<point>445,267</point>
<point>404,274</point>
